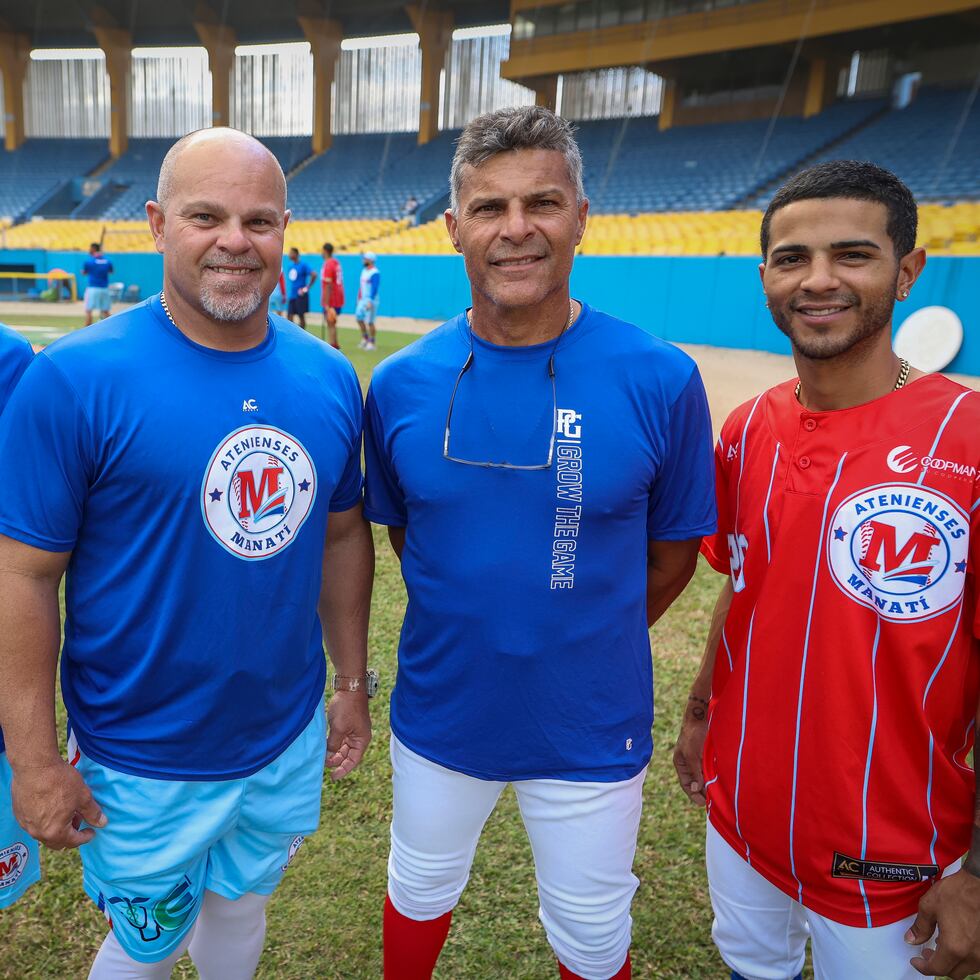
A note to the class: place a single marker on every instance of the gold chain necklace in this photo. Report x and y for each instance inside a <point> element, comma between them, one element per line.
<point>903,376</point>
<point>469,316</point>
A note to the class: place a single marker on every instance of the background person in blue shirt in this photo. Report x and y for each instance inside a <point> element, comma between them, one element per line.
<point>541,527</point>
<point>368,297</point>
<point>98,269</point>
<point>202,496</point>
<point>299,278</point>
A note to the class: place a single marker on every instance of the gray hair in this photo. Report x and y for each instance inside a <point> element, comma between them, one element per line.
<point>165,184</point>
<point>528,127</point>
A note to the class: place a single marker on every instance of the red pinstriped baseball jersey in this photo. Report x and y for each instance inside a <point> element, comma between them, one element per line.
<point>846,681</point>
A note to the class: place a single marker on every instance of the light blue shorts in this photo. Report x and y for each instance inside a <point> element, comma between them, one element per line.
<point>97,298</point>
<point>365,312</point>
<point>167,841</point>
<point>19,863</point>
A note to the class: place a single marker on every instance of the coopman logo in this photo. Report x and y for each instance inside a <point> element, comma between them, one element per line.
<point>900,549</point>
<point>902,460</point>
<point>258,489</point>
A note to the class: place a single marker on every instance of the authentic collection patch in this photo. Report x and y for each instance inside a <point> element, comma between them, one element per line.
<point>849,867</point>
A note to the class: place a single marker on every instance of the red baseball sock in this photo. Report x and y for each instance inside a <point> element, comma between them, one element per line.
<point>411,948</point>
<point>625,972</point>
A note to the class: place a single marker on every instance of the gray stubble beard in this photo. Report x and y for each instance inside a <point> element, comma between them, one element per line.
<point>230,308</point>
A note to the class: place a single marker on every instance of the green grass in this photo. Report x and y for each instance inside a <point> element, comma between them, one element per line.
<point>45,328</point>
<point>325,920</point>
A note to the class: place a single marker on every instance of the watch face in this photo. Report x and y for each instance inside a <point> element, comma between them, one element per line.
<point>372,682</point>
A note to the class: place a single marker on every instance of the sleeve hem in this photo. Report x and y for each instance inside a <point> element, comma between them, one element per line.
<point>35,541</point>
<point>386,520</point>
<point>338,506</point>
<point>720,565</point>
<point>682,533</point>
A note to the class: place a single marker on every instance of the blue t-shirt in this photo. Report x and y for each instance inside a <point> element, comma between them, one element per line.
<point>525,652</point>
<point>297,276</point>
<point>192,487</point>
<point>98,269</point>
<point>15,354</point>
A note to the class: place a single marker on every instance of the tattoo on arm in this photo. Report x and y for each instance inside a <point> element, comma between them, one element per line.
<point>699,709</point>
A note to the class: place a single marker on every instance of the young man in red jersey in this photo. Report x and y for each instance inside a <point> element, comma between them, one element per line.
<point>829,726</point>
<point>332,286</point>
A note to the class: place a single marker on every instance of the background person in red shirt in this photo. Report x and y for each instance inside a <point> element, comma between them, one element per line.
<point>332,286</point>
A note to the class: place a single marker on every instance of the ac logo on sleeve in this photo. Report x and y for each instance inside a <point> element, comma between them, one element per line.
<point>258,490</point>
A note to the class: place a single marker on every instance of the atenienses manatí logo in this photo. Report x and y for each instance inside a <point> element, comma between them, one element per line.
<point>900,549</point>
<point>258,490</point>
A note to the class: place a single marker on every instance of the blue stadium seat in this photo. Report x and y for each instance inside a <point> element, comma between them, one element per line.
<point>31,173</point>
<point>933,145</point>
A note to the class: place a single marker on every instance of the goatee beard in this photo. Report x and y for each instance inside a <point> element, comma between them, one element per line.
<point>230,308</point>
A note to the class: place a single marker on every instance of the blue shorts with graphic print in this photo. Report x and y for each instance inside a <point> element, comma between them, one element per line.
<point>19,864</point>
<point>167,841</point>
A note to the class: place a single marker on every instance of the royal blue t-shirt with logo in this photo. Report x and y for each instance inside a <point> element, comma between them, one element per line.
<point>192,487</point>
<point>297,276</point>
<point>98,269</point>
<point>15,354</point>
<point>525,652</point>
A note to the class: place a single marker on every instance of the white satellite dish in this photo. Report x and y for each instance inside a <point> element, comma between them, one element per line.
<point>929,338</point>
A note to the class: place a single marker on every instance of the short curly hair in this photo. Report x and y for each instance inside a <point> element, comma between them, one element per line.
<point>855,180</point>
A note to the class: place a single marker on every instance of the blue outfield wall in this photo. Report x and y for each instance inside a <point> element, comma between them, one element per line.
<point>696,300</point>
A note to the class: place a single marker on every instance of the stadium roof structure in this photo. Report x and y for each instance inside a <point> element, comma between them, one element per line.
<point>70,23</point>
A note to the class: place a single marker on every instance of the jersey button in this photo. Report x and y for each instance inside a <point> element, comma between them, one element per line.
<point>810,425</point>
<point>803,462</point>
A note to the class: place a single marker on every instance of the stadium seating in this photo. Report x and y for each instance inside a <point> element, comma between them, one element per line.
<point>678,192</point>
<point>290,151</point>
<point>944,230</point>
<point>933,145</point>
<point>31,173</point>
<point>345,235</point>
<point>371,176</point>
<point>134,236</point>
<point>135,175</point>
<point>631,167</point>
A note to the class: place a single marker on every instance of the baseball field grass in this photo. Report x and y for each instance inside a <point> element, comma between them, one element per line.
<point>325,920</point>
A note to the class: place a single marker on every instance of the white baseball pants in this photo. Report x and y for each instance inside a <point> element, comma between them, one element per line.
<point>762,933</point>
<point>583,837</point>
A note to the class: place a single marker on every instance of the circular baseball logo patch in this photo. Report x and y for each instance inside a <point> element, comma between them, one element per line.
<point>901,550</point>
<point>258,489</point>
<point>13,863</point>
